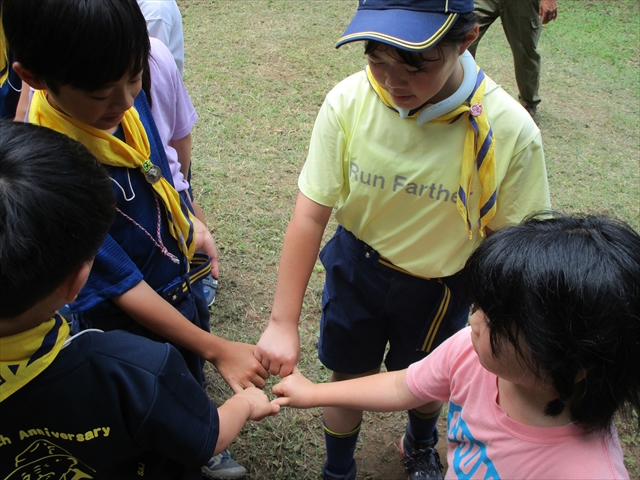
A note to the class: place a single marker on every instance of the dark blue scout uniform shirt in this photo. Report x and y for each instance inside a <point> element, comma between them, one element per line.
<point>110,406</point>
<point>128,254</point>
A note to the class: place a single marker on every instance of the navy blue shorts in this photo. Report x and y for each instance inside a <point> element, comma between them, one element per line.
<point>367,305</point>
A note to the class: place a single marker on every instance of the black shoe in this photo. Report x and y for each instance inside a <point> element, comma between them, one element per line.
<point>421,462</point>
<point>350,475</point>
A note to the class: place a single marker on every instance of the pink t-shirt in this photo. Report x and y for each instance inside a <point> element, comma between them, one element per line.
<point>172,109</point>
<point>485,443</point>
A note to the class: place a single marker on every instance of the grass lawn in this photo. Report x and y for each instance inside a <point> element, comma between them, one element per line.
<point>257,72</point>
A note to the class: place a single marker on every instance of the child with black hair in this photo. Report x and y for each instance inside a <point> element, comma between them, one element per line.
<point>89,62</point>
<point>420,156</point>
<point>95,405</point>
<point>550,357</point>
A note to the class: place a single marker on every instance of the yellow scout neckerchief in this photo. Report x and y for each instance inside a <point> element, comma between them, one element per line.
<point>25,355</point>
<point>4,58</point>
<point>111,151</point>
<point>478,150</point>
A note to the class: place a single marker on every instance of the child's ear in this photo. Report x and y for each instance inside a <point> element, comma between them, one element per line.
<point>580,376</point>
<point>28,77</point>
<point>469,38</point>
<point>70,288</point>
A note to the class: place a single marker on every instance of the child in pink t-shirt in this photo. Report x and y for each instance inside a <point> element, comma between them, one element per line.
<point>550,357</point>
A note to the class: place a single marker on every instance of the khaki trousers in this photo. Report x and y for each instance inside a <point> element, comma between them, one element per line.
<point>522,26</point>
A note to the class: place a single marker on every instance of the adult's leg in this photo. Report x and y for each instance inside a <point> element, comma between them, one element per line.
<point>487,12</point>
<point>522,26</point>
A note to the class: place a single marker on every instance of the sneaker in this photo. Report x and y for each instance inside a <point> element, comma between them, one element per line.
<point>210,285</point>
<point>222,466</point>
<point>350,475</point>
<point>421,463</point>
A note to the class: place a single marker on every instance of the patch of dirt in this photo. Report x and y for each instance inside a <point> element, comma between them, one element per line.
<point>378,454</point>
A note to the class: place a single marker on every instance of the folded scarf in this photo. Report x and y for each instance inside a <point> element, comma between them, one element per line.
<point>478,150</point>
<point>109,150</point>
<point>4,58</point>
<point>25,355</point>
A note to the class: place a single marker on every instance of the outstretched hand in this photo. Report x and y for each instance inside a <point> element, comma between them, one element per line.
<point>295,391</point>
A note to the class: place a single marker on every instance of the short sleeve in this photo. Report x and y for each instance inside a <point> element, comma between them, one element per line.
<point>432,377</point>
<point>172,109</point>
<point>322,178</point>
<point>524,188</point>
<point>182,422</point>
<point>113,273</point>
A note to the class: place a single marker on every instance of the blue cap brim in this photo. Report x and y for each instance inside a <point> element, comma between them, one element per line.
<point>404,29</point>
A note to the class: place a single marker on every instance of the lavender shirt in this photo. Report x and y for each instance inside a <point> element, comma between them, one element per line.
<point>172,109</point>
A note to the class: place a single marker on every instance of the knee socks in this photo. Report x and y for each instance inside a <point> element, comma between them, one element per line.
<point>422,427</point>
<point>340,448</point>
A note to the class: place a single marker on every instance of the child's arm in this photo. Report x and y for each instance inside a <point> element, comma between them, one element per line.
<point>23,103</point>
<point>279,346</point>
<point>249,404</point>
<point>206,244</point>
<point>234,360</point>
<point>182,146</point>
<point>384,392</point>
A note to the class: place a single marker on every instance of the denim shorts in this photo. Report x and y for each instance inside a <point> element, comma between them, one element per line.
<point>369,307</point>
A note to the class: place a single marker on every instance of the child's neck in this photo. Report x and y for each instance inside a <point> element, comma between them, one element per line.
<point>526,404</point>
<point>33,317</point>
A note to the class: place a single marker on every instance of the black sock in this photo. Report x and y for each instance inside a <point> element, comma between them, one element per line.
<point>340,448</point>
<point>422,428</point>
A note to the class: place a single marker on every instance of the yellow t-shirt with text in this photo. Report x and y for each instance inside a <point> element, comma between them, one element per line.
<point>394,183</point>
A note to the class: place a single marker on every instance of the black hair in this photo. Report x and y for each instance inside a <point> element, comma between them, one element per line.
<point>565,292</point>
<point>454,37</point>
<point>85,44</point>
<point>56,207</point>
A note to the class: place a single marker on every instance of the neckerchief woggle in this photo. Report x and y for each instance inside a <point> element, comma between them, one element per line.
<point>478,154</point>
<point>25,355</point>
<point>110,150</point>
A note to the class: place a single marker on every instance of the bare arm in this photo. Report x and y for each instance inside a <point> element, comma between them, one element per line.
<point>204,240</point>
<point>249,404</point>
<point>183,147</point>
<point>234,360</point>
<point>279,347</point>
<point>23,103</point>
<point>206,244</point>
<point>384,392</point>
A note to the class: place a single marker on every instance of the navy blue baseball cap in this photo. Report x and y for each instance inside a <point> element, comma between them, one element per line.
<point>414,25</point>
